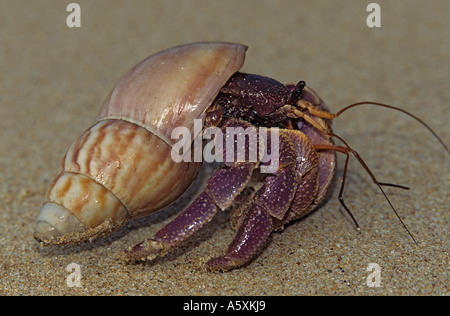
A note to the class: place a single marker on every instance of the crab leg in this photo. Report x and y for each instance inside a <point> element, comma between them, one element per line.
<point>222,187</point>
<point>249,240</point>
<point>271,203</point>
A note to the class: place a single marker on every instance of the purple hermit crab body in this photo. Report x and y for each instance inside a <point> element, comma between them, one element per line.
<point>295,188</point>
<point>121,168</point>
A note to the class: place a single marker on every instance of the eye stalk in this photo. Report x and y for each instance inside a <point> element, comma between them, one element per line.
<point>296,92</point>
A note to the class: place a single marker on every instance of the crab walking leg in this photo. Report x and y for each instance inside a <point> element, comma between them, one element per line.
<point>271,203</point>
<point>222,187</point>
<point>258,222</point>
<point>250,238</point>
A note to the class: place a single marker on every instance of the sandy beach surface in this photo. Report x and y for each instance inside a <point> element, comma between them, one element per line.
<point>54,79</point>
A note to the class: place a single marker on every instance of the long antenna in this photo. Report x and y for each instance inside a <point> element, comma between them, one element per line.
<point>397,109</point>
<point>347,149</point>
<point>379,184</point>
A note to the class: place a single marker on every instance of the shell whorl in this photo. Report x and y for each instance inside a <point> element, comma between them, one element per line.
<point>121,167</point>
<point>131,162</point>
<point>189,79</point>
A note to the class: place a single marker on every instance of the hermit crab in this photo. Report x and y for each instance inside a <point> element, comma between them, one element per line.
<point>275,142</point>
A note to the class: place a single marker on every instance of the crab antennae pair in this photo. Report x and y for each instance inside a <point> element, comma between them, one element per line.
<point>347,149</point>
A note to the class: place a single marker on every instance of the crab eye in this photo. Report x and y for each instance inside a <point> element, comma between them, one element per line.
<point>299,88</point>
<point>296,93</point>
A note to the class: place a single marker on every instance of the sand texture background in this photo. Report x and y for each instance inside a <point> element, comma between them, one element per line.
<point>54,79</point>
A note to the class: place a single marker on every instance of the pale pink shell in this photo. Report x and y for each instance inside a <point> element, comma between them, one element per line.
<point>121,167</point>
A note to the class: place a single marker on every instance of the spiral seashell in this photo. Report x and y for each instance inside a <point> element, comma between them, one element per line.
<point>121,167</point>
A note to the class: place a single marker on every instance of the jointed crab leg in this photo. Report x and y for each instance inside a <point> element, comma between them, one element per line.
<point>258,221</point>
<point>219,193</point>
<point>270,204</point>
<point>249,240</point>
<point>200,212</point>
<point>347,150</point>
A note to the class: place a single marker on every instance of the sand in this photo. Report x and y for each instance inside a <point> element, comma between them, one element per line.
<point>54,79</point>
